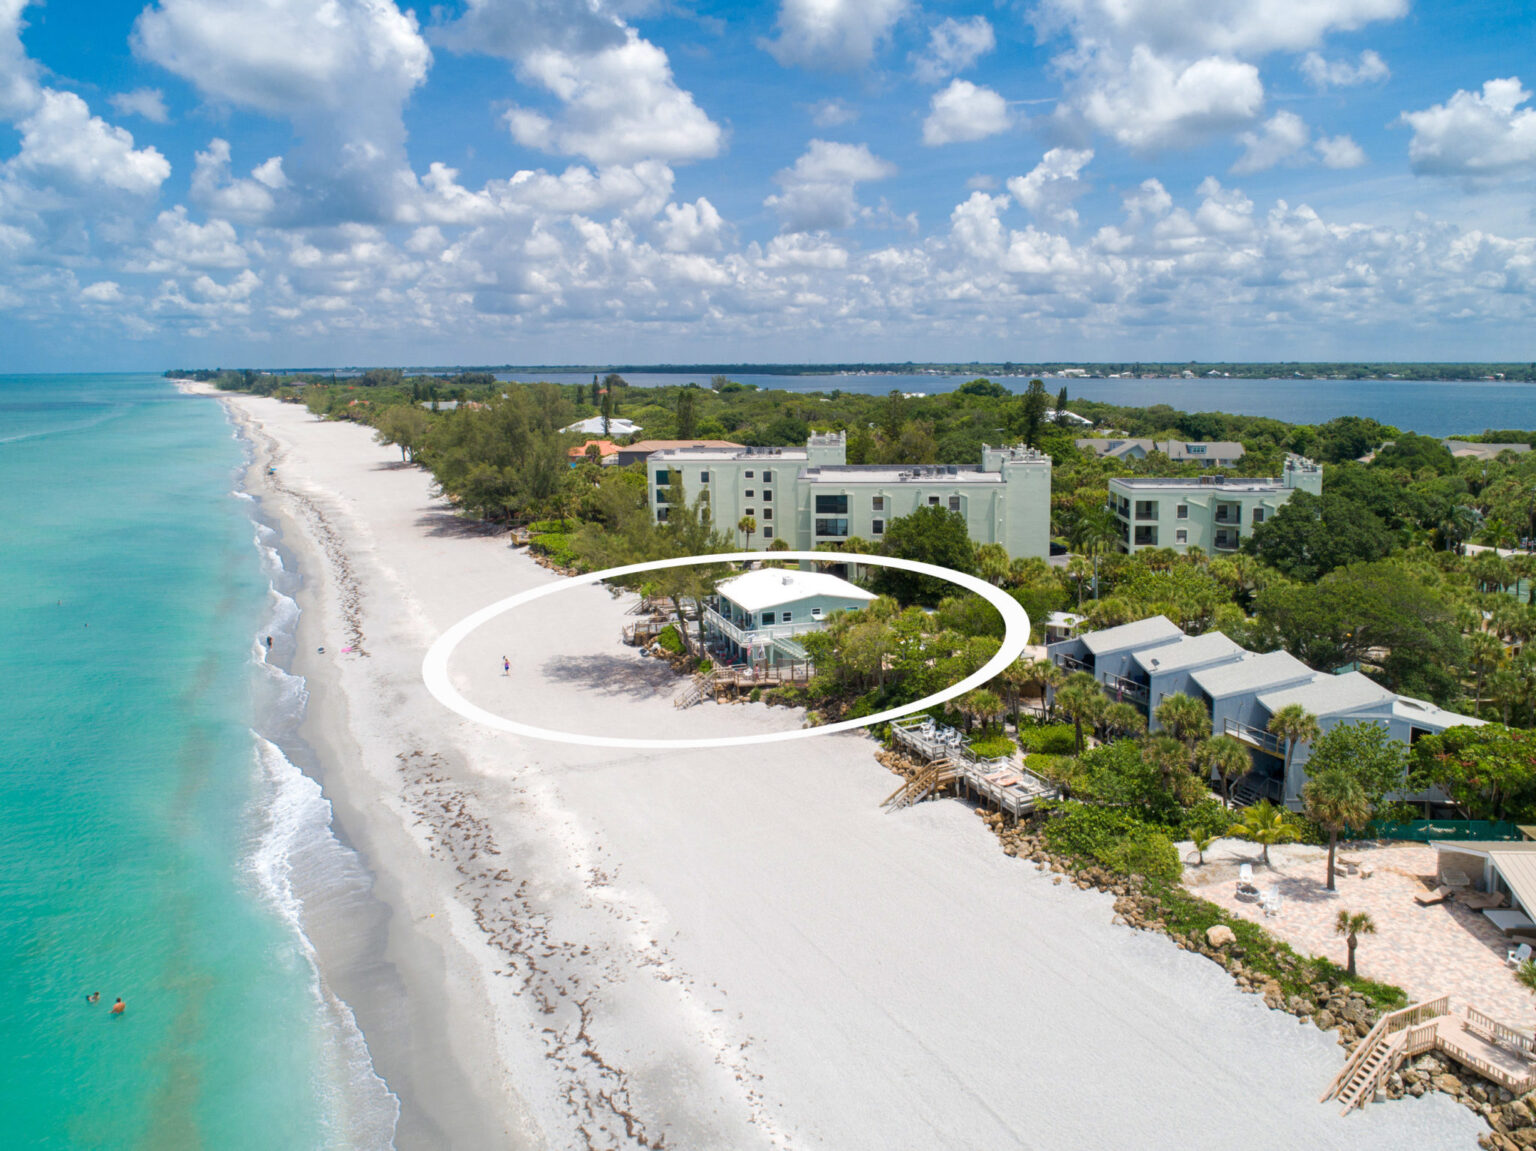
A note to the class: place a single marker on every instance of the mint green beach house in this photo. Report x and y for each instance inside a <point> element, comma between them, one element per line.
<point>755,617</point>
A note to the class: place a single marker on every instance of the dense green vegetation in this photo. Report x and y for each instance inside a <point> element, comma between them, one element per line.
<point>1375,574</point>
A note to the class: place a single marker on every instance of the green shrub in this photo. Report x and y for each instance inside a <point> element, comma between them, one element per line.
<point>993,745</point>
<point>1049,739</point>
<point>1307,830</point>
<point>558,546</point>
<point>669,641</point>
<point>755,694</point>
<point>1209,816</point>
<point>1145,852</point>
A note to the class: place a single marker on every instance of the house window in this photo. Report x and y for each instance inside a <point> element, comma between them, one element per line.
<point>878,528</point>
<point>663,477</point>
<point>1181,536</point>
<point>767,513</point>
<point>1146,537</point>
<point>661,514</point>
<point>815,613</point>
<point>933,501</point>
<point>1183,511</point>
<point>878,503</point>
<point>832,527</point>
<point>832,505</point>
<point>661,495</point>
<point>767,496</point>
<point>748,475</point>
<point>1258,515</point>
<point>750,512</point>
<point>954,503</point>
<point>703,477</point>
<point>1146,509</point>
<point>768,479</point>
<point>767,618</point>
<point>789,617</point>
<point>767,533</point>
<point>750,493</point>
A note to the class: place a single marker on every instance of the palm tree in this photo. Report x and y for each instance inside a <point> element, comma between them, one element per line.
<point>1014,679</point>
<point>992,563</point>
<point>1050,677</point>
<point>1487,654</point>
<point>1124,719</point>
<point>1095,533</point>
<point>1081,698</point>
<point>1525,975</point>
<point>1171,758</point>
<point>1336,800</point>
<point>1264,824</point>
<point>1184,717</point>
<point>1225,756</point>
<point>748,525</point>
<point>1352,925</point>
<point>1080,571</point>
<point>980,705</point>
<point>1202,841</point>
<point>1294,724</point>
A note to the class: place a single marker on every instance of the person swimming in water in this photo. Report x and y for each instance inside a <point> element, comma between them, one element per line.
<point>93,997</point>
<point>119,1007</point>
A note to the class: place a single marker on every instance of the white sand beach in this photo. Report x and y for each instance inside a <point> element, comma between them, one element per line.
<point>731,950</point>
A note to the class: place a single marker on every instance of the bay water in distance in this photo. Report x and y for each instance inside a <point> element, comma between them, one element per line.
<point>1429,407</point>
<point>155,840</point>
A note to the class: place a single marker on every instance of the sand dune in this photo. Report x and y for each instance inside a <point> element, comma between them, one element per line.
<point>701,950</point>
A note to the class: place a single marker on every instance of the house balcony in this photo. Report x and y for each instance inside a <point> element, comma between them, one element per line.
<point>1122,689</point>
<point>749,637</point>
<point>1070,663</point>
<point>1256,737</point>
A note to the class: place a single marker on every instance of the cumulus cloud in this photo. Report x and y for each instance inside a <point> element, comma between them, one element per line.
<point>1283,137</point>
<point>18,73</point>
<point>953,46</point>
<point>340,72</point>
<point>818,192</point>
<point>695,227</point>
<point>1166,73</point>
<point>215,190</point>
<point>964,111</point>
<point>1339,152</point>
<point>1323,74</point>
<point>102,292</point>
<point>836,35</point>
<point>65,147</point>
<point>621,104</point>
<point>1485,133</point>
<point>1050,187</point>
<point>833,113</point>
<point>1154,104</point>
<point>148,103</point>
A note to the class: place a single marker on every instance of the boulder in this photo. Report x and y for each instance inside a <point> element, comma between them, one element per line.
<point>1220,935</point>
<point>1448,1083</point>
<point>1324,1020</point>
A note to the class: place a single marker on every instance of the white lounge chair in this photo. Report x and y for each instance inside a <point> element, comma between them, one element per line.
<point>1519,955</point>
<point>1272,901</point>
<point>1245,873</point>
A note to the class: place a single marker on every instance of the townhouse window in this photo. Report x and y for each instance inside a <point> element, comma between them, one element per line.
<point>747,474</point>
<point>954,503</point>
<point>750,512</point>
<point>832,505</point>
<point>767,477</point>
<point>878,528</point>
<point>933,501</point>
<point>662,513</point>
<point>703,477</point>
<point>878,504</point>
<point>661,495</point>
<point>750,493</point>
<point>663,477</point>
<point>1181,536</point>
<point>1183,511</point>
<point>1258,515</point>
<point>767,496</point>
<point>832,527</point>
<point>767,533</point>
<point>767,513</point>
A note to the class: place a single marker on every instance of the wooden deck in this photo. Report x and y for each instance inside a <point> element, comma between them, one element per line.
<point>1482,1044</point>
<point>1003,783</point>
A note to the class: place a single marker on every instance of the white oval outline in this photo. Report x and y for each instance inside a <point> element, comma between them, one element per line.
<point>434,668</point>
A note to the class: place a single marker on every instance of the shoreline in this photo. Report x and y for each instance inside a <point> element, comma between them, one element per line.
<point>683,950</point>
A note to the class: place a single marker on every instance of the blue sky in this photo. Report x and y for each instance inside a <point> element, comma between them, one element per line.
<point>282,182</point>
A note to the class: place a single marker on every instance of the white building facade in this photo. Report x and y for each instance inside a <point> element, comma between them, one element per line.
<point>1215,513</point>
<point>811,495</point>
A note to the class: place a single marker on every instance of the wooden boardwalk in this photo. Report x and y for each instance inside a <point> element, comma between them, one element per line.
<point>1004,783</point>
<point>1482,1044</point>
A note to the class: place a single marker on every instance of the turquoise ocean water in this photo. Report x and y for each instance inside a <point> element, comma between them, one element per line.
<point>155,839</point>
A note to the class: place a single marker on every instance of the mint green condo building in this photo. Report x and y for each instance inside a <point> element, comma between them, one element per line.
<point>812,495</point>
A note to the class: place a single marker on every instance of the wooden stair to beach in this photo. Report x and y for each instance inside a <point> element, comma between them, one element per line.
<point>1369,1073</point>
<point>1396,1036</point>
<point>926,782</point>
<point>701,686</point>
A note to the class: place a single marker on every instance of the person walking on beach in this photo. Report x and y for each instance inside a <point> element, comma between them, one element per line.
<point>506,666</point>
<point>119,1007</point>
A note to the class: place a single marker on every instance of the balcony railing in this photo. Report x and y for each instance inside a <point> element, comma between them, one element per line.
<point>760,636</point>
<point>1264,740</point>
<point>1071,663</point>
<point>1119,687</point>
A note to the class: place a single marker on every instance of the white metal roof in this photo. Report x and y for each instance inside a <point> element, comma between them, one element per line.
<point>594,427</point>
<point>1189,651</point>
<point>1256,673</point>
<point>1149,632</point>
<point>770,587</point>
<point>1430,715</point>
<point>1329,694</point>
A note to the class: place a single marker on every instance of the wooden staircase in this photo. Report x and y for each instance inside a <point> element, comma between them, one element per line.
<point>926,782</point>
<point>1382,1051</point>
<point>700,687</point>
